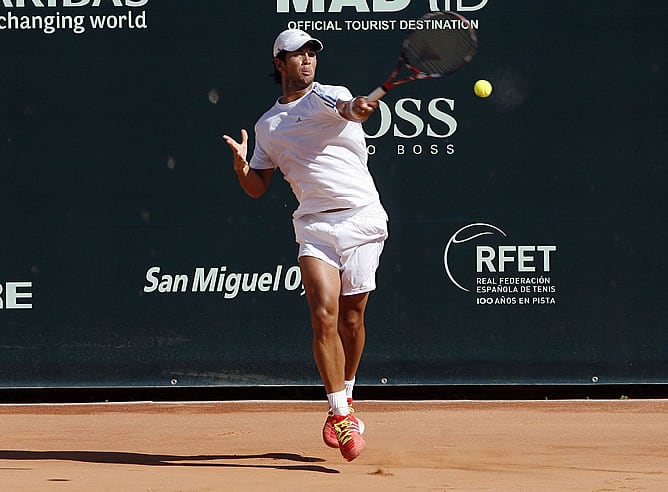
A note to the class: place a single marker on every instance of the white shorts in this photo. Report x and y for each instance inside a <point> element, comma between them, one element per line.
<point>350,240</point>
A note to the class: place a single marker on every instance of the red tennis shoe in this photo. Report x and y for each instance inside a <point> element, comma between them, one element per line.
<point>328,434</point>
<point>347,430</point>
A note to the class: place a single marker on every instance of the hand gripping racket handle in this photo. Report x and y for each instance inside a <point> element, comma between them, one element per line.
<point>376,94</point>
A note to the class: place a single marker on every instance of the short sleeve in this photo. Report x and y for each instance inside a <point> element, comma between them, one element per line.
<point>327,96</point>
<point>260,159</point>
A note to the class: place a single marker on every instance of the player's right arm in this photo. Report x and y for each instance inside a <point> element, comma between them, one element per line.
<point>357,109</point>
<point>253,181</point>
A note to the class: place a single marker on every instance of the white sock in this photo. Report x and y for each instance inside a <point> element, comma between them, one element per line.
<point>349,388</point>
<point>338,402</point>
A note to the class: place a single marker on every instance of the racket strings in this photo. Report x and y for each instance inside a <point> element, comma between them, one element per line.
<point>439,51</point>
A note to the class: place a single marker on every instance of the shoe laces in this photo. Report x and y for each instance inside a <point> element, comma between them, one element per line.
<point>344,429</point>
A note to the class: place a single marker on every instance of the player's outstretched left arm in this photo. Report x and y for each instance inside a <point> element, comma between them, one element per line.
<point>253,182</point>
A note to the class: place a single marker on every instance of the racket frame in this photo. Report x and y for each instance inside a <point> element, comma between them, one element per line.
<point>416,74</point>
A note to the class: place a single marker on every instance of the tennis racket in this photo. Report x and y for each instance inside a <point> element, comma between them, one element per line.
<point>447,43</point>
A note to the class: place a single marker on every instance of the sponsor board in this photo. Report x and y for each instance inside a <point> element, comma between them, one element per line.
<point>221,281</point>
<point>482,260</point>
<point>15,295</point>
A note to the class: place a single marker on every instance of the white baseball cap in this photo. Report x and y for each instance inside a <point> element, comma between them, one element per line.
<point>293,39</point>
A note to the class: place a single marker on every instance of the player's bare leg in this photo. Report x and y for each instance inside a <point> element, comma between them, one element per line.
<point>322,284</point>
<point>352,331</point>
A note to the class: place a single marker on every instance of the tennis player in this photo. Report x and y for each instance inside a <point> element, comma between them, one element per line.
<point>313,134</point>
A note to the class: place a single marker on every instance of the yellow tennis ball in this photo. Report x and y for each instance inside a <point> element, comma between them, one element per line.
<point>482,88</point>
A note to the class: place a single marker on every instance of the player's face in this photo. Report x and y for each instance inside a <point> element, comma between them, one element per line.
<point>299,67</point>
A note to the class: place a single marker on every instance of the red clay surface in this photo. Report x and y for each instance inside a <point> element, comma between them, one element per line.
<point>588,445</point>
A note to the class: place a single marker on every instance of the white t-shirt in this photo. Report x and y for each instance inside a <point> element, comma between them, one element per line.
<point>322,155</point>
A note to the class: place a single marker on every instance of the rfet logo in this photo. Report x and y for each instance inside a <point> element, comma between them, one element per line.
<point>483,250</point>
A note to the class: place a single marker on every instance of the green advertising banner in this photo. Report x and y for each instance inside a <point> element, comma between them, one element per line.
<point>526,227</point>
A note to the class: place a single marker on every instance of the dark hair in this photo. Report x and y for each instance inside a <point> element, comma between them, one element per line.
<point>276,75</point>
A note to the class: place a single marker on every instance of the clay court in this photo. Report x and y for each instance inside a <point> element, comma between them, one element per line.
<point>589,445</point>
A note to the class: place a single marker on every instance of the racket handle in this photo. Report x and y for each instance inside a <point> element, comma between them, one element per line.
<point>376,94</point>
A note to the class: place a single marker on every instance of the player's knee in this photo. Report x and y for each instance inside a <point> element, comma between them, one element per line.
<point>351,323</point>
<point>324,321</point>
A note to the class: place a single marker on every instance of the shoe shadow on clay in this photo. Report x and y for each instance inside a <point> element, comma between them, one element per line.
<point>144,459</point>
